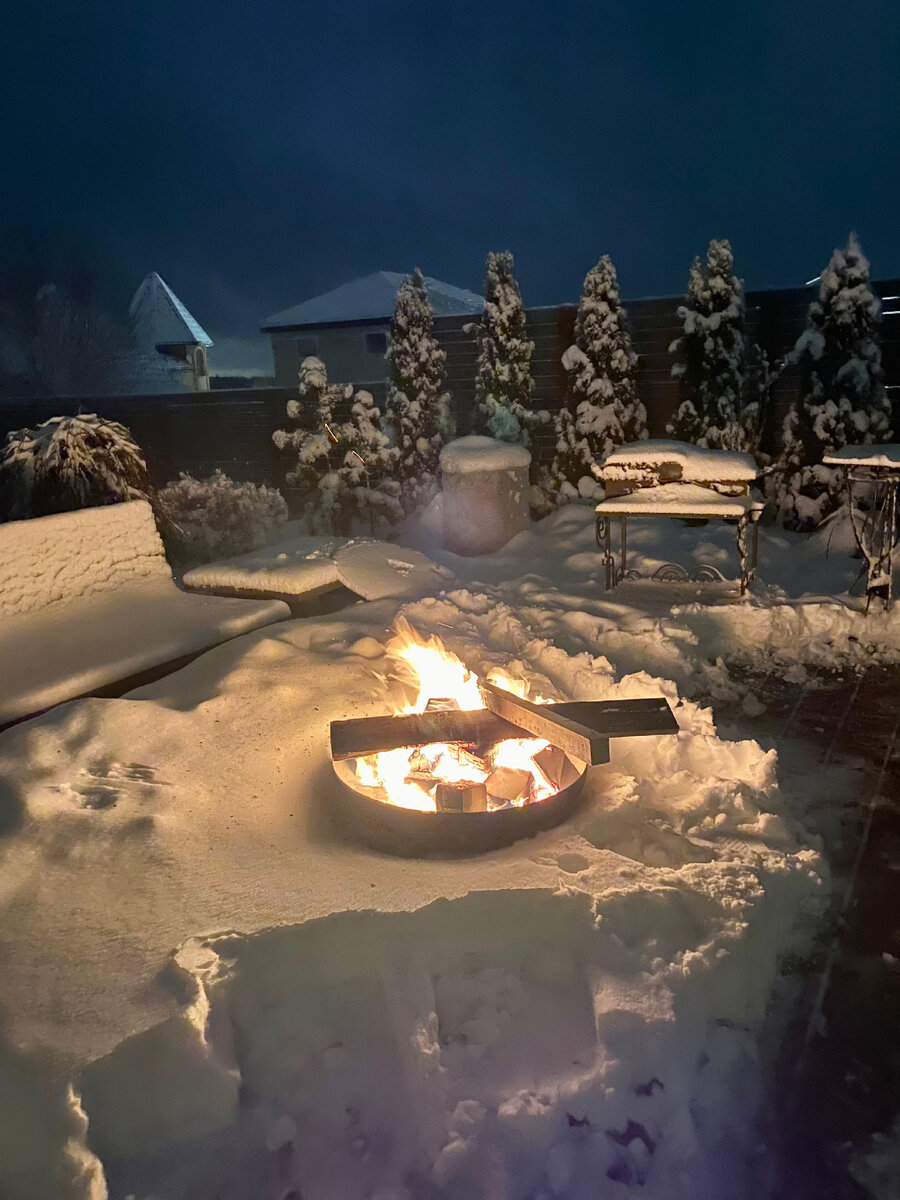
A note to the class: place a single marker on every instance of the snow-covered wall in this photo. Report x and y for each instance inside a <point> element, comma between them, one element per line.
<point>71,555</point>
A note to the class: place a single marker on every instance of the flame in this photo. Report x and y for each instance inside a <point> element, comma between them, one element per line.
<point>409,776</point>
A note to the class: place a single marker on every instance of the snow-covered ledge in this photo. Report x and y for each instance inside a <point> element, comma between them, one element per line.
<point>485,493</point>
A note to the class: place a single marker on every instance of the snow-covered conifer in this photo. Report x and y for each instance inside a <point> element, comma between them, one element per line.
<point>844,402</point>
<point>417,414</point>
<point>711,354</point>
<point>344,462</point>
<point>504,389</point>
<point>602,409</point>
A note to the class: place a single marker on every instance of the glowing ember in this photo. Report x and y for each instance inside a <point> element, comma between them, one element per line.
<point>445,774</point>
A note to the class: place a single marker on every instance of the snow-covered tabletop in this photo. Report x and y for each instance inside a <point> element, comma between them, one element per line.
<point>300,567</point>
<point>294,567</point>
<point>679,500</point>
<point>885,456</point>
<point>375,570</point>
<point>698,465</point>
<point>688,500</point>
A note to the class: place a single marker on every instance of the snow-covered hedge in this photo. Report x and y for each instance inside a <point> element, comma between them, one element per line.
<point>70,463</point>
<point>218,518</point>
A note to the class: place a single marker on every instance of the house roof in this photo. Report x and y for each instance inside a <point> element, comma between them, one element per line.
<point>160,319</point>
<point>369,298</point>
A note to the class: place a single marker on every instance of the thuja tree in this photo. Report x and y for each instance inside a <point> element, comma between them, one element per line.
<point>504,389</point>
<point>844,401</point>
<point>711,354</point>
<point>343,467</point>
<point>602,408</point>
<point>417,414</point>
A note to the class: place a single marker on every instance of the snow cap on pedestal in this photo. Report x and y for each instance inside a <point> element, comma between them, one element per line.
<point>469,455</point>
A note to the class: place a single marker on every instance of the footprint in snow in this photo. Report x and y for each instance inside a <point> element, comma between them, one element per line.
<point>102,784</point>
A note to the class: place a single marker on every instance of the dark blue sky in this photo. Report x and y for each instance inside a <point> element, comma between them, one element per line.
<point>259,153</point>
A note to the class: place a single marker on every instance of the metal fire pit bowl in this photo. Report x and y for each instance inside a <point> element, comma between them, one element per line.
<point>410,833</point>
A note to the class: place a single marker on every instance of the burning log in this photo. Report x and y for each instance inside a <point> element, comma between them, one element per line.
<point>508,785</point>
<point>556,767</point>
<point>461,797</point>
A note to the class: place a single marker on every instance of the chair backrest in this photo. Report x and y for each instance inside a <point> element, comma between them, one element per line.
<point>67,556</point>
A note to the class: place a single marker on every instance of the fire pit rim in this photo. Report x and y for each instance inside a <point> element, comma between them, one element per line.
<point>416,833</point>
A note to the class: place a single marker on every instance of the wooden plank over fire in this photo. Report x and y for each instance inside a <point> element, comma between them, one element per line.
<point>603,719</point>
<point>546,721</point>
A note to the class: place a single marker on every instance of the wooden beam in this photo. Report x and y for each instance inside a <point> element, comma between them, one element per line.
<point>369,735</point>
<point>546,721</point>
<point>602,718</point>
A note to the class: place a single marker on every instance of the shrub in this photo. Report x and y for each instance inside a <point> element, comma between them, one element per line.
<point>218,518</point>
<point>70,463</point>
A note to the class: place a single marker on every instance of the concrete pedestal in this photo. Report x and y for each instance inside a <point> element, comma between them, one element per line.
<point>485,494</point>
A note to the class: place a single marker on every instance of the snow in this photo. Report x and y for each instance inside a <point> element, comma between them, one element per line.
<point>95,587</point>
<point>698,464</point>
<point>70,556</point>
<point>295,566</point>
<point>469,455</point>
<point>292,566</point>
<point>680,499</point>
<point>238,1000</point>
<point>375,570</point>
<point>885,455</point>
<point>368,298</point>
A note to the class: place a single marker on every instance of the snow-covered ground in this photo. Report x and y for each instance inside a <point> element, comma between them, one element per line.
<point>209,990</point>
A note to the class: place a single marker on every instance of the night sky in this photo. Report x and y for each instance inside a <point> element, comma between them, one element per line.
<point>256,154</point>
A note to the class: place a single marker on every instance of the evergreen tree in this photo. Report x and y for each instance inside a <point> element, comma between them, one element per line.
<point>603,409</point>
<point>418,408</point>
<point>845,401</point>
<point>711,354</point>
<point>504,389</point>
<point>344,463</point>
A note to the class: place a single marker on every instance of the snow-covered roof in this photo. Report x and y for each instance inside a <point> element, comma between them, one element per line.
<point>698,465</point>
<point>160,319</point>
<point>369,298</point>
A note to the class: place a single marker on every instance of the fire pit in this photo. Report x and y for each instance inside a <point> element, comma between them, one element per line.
<point>471,765</point>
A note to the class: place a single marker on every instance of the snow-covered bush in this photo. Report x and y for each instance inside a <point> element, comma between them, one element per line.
<point>504,389</point>
<point>70,463</point>
<point>218,518</point>
<point>417,414</point>
<point>344,463</point>
<point>602,409</point>
<point>711,354</point>
<point>845,401</point>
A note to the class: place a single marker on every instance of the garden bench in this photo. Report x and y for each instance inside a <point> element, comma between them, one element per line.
<point>88,606</point>
<point>677,480</point>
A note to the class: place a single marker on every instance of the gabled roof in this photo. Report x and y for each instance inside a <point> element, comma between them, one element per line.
<point>371,298</point>
<point>160,319</point>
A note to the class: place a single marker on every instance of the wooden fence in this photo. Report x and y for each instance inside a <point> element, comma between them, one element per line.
<point>232,429</point>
